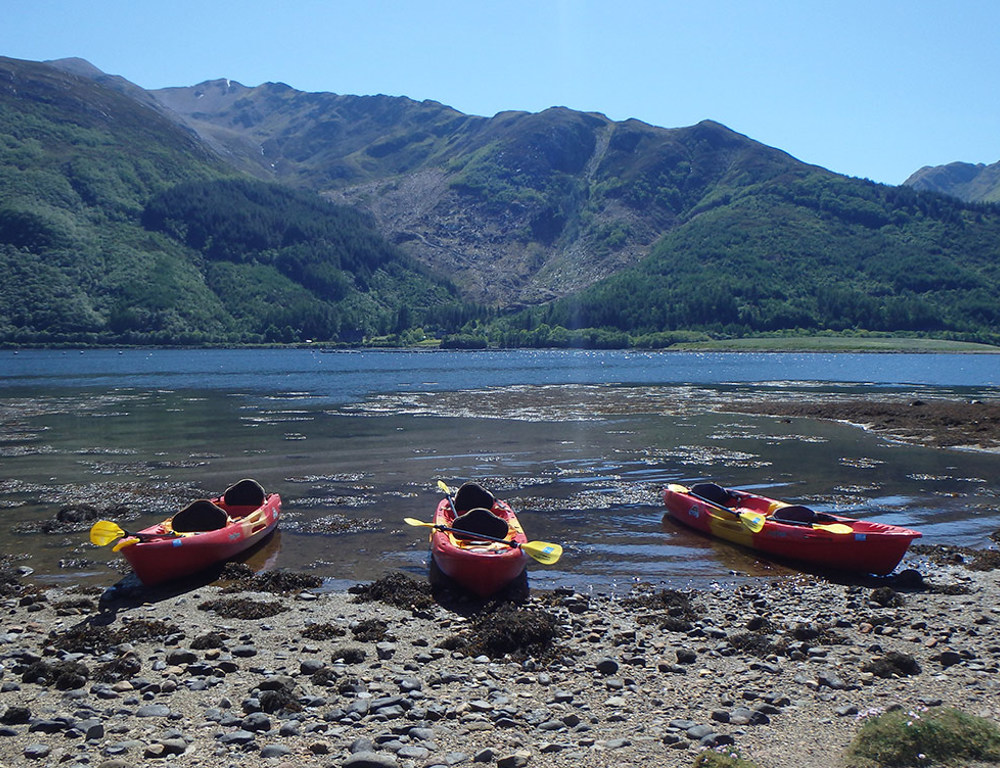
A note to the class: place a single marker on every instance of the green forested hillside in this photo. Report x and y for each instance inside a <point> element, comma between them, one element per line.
<point>117,225</point>
<point>124,222</point>
<point>289,266</point>
<point>802,254</point>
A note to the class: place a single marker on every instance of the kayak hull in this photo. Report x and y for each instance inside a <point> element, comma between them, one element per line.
<point>482,567</point>
<point>162,556</point>
<point>868,547</point>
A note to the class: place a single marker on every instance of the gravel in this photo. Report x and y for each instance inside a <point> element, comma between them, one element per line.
<point>784,669</point>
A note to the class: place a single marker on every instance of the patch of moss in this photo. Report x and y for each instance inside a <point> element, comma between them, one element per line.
<point>939,736</point>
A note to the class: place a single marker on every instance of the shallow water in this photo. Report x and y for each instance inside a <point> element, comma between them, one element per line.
<point>580,443</point>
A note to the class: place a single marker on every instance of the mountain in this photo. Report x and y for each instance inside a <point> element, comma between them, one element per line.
<point>102,200</point>
<point>194,214</point>
<point>966,181</point>
<point>517,209</point>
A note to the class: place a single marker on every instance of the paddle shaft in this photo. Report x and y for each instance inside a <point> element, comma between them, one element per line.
<point>839,528</point>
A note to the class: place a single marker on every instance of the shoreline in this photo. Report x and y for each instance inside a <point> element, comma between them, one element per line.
<point>933,422</point>
<point>207,675</point>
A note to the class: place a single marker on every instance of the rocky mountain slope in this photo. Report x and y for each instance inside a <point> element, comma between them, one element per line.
<point>966,181</point>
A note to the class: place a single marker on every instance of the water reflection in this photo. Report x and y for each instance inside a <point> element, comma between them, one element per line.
<point>583,464</point>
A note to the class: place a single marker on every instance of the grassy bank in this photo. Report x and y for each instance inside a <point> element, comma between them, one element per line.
<point>836,344</point>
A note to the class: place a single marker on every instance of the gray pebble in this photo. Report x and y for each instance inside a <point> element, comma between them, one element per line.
<point>370,760</point>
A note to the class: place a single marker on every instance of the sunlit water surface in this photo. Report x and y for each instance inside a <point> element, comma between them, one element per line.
<point>581,443</point>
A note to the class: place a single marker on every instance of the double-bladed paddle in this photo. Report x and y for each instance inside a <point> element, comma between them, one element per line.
<point>104,532</point>
<point>754,521</point>
<point>542,551</point>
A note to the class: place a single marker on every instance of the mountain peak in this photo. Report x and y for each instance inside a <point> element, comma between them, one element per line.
<point>76,66</point>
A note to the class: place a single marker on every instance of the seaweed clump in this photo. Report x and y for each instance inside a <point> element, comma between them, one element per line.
<point>518,632</point>
<point>893,664</point>
<point>396,589</point>
<point>370,630</point>
<point>325,631</point>
<point>669,609</point>
<point>240,578</point>
<point>64,675</point>
<point>97,639</point>
<point>242,608</point>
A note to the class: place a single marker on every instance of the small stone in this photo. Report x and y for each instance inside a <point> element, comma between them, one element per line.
<point>37,751</point>
<point>153,710</point>
<point>370,760</point>
<point>275,750</point>
<point>319,748</point>
<point>517,760</point>
<point>607,666</point>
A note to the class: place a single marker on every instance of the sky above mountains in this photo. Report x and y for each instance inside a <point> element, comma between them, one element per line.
<point>869,88</point>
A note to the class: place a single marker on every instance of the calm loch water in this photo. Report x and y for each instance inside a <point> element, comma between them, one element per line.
<point>579,442</point>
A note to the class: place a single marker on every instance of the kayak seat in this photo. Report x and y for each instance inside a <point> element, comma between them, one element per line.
<point>245,493</point>
<point>714,493</point>
<point>799,515</point>
<point>201,515</point>
<point>482,522</point>
<point>472,496</point>
<point>795,515</point>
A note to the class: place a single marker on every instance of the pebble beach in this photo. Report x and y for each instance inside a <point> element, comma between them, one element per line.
<point>265,672</point>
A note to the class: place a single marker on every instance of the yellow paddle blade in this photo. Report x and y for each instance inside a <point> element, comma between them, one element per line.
<point>104,532</point>
<point>834,527</point>
<point>443,486</point>
<point>752,520</point>
<point>543,551</point>
<point>414,521</point>
<point>128,542</point>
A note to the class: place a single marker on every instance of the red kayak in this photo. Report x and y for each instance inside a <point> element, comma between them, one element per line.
<point>467,553</point>
<point>204,533</point>
<point>788,530</point>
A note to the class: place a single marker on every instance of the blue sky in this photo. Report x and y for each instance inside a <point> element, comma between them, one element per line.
<point>869,88</point>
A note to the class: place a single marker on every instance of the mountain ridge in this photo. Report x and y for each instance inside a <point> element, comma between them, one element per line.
<point>551,223</point>
<point>972,182</point>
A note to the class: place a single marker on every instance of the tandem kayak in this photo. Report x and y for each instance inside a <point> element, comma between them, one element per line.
<point>789,531</point>
<point>467,552</point>
<point>203,534</point>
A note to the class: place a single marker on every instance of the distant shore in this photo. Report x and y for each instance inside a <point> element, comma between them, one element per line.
<point>776,344</point>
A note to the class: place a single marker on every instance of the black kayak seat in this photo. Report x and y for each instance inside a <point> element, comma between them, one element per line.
<point>794,514</point>
<point>481,522</point>
<point>714,493</point>
<point>473,496</point>
<point>799,515</point>
<point>201,515</point>
<point>245,493</point>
